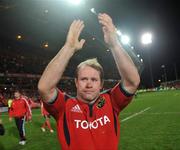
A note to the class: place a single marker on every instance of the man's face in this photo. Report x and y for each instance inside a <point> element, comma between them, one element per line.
<point>88,83</point>
<point>17,95</point>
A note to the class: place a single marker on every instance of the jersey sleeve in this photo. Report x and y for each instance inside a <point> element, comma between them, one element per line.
<point>120,97</point>
<point>28,109</point>
<point>57,105</point>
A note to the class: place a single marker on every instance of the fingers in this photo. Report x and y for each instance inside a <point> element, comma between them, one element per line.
<point>73,35</point>
<point>77,27</point>
<point>104,23</point>
<point>104,19</point>
<point>104,29</point>
<point>72,25</point>
<point>82,42</point>
<point>80,27</point>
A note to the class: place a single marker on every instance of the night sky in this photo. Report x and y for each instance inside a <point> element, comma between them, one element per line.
<point>132,17</point>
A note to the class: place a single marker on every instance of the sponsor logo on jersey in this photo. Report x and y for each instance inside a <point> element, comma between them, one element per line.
<point>76,108</point>
<point>84,124</point>
<point>101,103</point>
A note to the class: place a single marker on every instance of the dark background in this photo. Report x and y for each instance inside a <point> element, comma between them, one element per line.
<point>41,21</point>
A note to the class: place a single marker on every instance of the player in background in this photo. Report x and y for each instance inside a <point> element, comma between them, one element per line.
<point>29,100</point>
<point>20,111</point>
<point>46,115</point>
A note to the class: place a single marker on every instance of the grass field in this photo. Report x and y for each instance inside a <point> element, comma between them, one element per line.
<point>150,122</point>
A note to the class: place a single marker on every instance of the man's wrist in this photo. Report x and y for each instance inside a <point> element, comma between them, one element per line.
<point>115,46</point>
<point>70,48</point>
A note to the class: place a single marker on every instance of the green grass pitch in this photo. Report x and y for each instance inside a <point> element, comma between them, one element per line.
<point>150,122</point>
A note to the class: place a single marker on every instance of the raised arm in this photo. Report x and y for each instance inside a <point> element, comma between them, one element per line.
<point>127,70</point>
<point>54,70</point>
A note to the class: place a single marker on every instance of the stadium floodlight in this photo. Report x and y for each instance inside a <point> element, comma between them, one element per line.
<point>93,11</point>
<point>125,39</point>
<point>46,45</point>
<point>119,32</point>
<point>74,2</point>
<point>19,37</point>
<point>146,38</point>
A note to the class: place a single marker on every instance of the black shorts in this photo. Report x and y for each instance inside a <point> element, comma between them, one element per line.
<point>2,130</point>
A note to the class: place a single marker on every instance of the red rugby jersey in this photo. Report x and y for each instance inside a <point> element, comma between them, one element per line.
<point>20,108</point>
<point>82,126</point>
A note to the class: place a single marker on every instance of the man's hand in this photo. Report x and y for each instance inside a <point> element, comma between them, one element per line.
<point>75,30</point>
<point>109,30</point>
<point>29,118</point>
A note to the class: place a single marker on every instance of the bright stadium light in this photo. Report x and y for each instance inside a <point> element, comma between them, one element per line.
<point>119,32</point>
<point>146,38</point>
<point>125,39</point>
<point>93,11</point>
<point>18,37</point>
<point>45,45</point>
<point>74,2</point>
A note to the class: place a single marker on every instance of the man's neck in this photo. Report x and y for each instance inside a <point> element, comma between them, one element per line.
<point>86,101</point>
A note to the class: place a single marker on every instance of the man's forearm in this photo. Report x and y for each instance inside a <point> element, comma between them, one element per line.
<point>54,71</point>
<point>125,65</point>
<point>127,70</point>
<point>56,67</point>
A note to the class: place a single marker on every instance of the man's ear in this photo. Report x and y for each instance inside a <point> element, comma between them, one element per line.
<point>102,84</point>
<point>75,80</point>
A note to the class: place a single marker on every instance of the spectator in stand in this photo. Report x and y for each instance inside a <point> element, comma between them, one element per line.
<point>9,103</point>
<point>2,100</point>
<point>46,115</point>
<point>21,112</point>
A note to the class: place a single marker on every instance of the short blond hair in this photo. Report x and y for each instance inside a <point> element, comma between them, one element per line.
<point>91,63</point>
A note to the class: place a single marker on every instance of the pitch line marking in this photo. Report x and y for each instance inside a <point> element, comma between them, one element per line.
<point>135,114</point>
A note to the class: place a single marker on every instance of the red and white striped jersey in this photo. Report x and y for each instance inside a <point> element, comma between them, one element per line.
<point>20,108</point>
